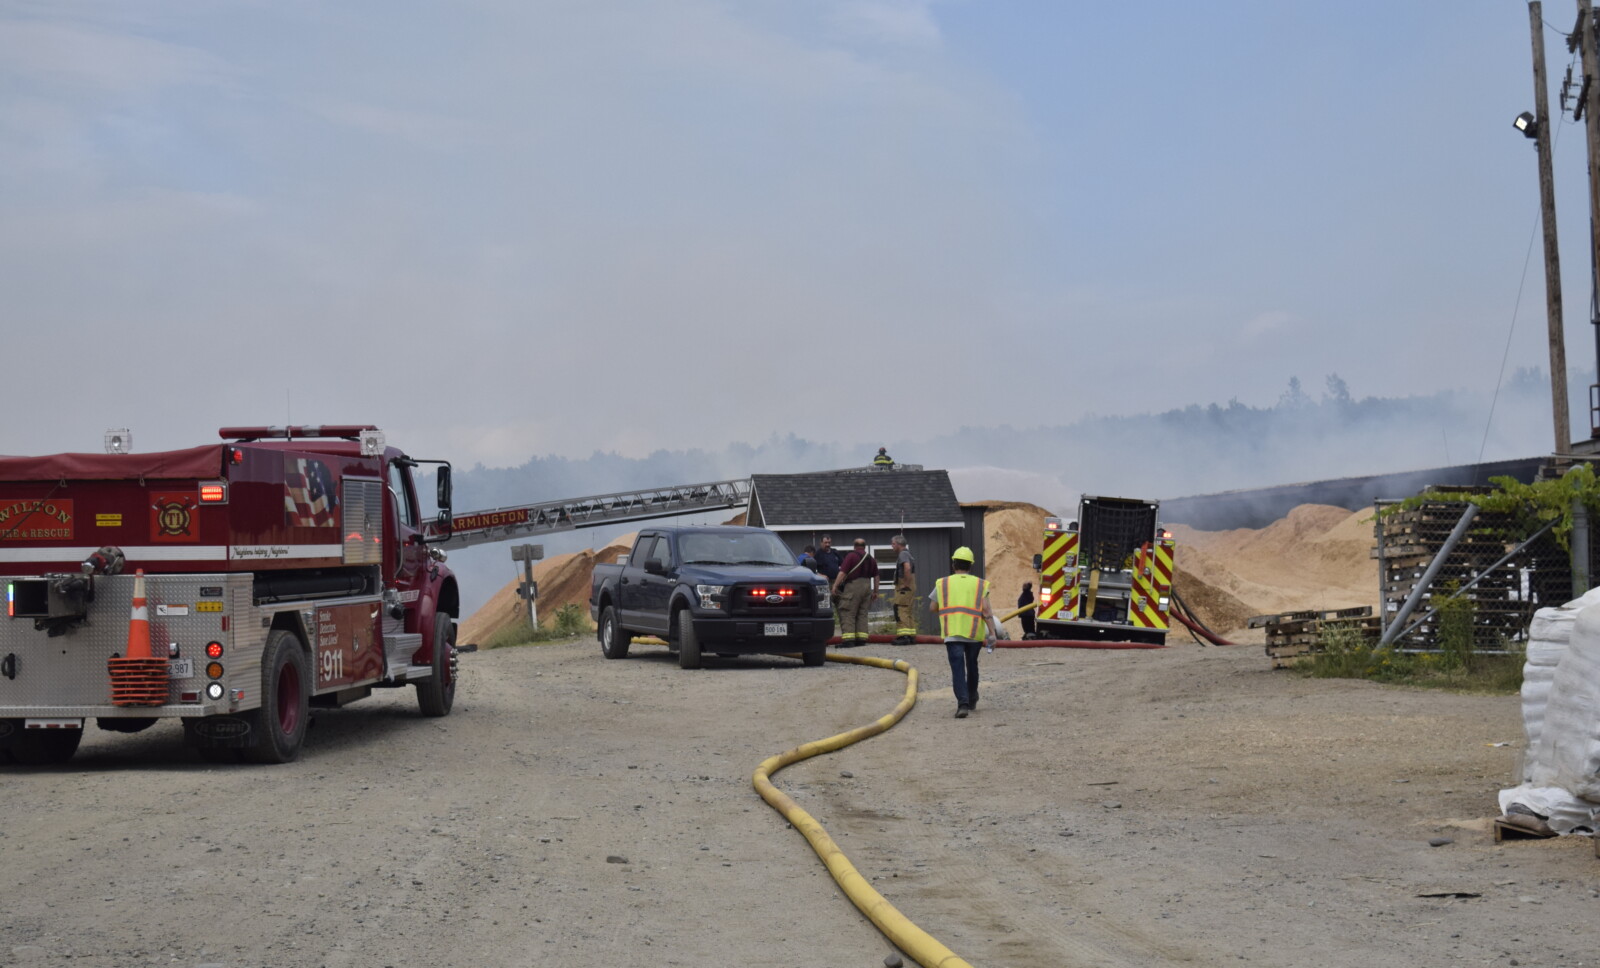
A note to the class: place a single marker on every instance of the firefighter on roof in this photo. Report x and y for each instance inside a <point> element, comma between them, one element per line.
<point>883,459</point>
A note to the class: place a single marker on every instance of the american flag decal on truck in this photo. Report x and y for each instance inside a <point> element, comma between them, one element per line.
<point>310,494</point>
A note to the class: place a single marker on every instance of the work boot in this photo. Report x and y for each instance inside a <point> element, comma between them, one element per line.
<point>904,640</point>
<point>961,712</point>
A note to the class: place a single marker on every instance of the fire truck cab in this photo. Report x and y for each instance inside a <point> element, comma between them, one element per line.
<point>231,586</point>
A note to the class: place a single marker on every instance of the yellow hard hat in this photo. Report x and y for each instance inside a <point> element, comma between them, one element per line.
<point>962,553</point>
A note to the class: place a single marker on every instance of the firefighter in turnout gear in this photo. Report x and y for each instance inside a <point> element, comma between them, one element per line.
<point>905,592</point>
<point>967,623</point>
<point>854,590</point>
<point>883,460</point>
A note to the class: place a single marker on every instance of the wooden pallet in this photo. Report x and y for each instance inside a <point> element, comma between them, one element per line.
<point>1292,635</point>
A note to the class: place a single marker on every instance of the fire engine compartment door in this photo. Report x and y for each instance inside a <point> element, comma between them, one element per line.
<point>346,652</point>
<point>68,674</point>
<point>363,521</point>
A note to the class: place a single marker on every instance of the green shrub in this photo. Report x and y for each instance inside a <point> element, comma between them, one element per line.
<point>569,621</point>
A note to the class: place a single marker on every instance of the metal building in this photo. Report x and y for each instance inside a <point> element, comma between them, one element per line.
<point>874,504</point>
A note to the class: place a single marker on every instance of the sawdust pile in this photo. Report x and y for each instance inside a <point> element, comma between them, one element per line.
<point>563,580</point>
<point>1316,557</point>
<point>1013,533</point>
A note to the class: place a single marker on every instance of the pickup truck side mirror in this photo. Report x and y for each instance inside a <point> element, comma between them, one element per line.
<point>1038,562</point>
<point>653,566</point>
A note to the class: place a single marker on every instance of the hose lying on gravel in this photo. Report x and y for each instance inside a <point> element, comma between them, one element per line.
<point>1020,644</point>
<point>925,949</point>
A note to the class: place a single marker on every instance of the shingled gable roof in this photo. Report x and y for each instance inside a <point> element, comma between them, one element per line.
<point>832,498</point>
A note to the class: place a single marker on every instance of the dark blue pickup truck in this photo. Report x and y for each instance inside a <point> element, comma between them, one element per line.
<point>727,590</point>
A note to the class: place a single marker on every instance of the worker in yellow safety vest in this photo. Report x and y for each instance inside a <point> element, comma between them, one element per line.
<point>967,622</point>
<point>883,460</point>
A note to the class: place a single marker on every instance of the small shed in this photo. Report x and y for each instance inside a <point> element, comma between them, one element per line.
<point>871,503</point>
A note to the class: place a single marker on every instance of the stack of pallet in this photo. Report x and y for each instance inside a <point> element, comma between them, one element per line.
<point>1502,601</point>
<point>1291,635</point>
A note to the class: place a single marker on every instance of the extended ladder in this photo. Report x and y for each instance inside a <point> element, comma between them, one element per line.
<point>500,524</point>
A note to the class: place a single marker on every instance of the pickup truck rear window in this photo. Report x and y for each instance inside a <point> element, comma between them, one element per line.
<point>753,548</point>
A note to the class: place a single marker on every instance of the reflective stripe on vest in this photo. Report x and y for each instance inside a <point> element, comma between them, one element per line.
<point>960,604</point>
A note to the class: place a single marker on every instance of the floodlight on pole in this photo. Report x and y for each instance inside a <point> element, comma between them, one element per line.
<point>1527,124</point>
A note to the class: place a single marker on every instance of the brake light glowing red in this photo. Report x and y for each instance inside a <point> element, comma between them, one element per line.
<point>214,650</point>
<point>213,493</point>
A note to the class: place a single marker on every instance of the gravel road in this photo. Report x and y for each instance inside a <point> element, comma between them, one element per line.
<point>1124,808</point>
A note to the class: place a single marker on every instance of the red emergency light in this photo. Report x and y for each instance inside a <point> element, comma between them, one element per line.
<point>214,493</point>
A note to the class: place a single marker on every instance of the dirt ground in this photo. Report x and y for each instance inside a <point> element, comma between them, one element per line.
<point>1185,806</point>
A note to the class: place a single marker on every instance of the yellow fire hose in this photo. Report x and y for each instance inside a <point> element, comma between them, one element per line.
<point>1011,615</point>
<point>910,939</point>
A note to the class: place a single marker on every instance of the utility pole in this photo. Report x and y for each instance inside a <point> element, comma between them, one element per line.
<point>1584,33</point>
<point>1552,256</point>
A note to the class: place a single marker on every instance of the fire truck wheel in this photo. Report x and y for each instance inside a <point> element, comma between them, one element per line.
<point>613,640</point>
<point>44,747</point>
<point>437,693</point>
<point>688,643</point>
<point>279,726</point>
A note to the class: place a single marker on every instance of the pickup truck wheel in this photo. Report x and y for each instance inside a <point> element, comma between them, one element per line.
<point>279,726</point>
<point>613,640</point>
<point>44,747</point>
<point>688,644</point>
<point>437,693</point>
<point>814,658</point>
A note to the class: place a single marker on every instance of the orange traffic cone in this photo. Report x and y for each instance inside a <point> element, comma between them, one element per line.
<point>139,621</point>
<point>139,678</point>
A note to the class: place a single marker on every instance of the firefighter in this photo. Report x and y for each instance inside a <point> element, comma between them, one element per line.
<point>854,590</point>
<point>905,592</point>
<point>962,603</point>
<point>883,459</point>
<point>1029,628</point>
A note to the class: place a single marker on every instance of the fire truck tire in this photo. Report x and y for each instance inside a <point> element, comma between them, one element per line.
<point>613,640</point>
<point>688,643</point>
<point>8,729</point>
<point>437,693</point>
<point>279,726</point>
<point>44,747</point>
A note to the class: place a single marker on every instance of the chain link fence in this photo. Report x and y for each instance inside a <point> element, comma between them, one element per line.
<point>1487,588</point>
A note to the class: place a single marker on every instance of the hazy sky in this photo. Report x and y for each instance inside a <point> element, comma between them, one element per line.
<point>507,227</point>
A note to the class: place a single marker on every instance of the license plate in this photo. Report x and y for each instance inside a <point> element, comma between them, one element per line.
<point>777,628</point>
<point>180,668</point>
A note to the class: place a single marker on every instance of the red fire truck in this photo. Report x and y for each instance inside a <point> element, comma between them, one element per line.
<point>231,585</point>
